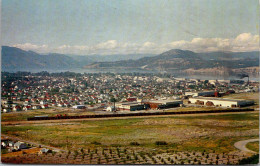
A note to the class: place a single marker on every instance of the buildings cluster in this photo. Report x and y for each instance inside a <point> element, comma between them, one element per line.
<point>13,146</point>
<point>27,91</point>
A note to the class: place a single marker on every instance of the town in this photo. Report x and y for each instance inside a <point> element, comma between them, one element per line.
<point>26,91</point>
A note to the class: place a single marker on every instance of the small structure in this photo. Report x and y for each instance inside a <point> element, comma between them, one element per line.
<point>6,110</point>
<point>44,150</point>
<point>200,93</point>
<point>111,108</point>
<point>79,107</point>
<point>20,145</point>
<point>10,143</point>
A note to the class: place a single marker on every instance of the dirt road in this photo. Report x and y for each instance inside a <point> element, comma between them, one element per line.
<point>241,145</point>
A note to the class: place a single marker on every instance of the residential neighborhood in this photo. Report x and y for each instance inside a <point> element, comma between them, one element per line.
<point>87,91</point>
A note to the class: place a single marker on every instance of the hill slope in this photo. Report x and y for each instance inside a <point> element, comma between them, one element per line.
<point>181,60</point>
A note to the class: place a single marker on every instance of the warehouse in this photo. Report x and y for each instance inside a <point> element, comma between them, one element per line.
<point>130,106</point>
<point>220,102</point>
<point>161,104</point>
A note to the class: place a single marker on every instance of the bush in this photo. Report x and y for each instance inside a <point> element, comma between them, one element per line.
<point>96,143</point>
<point>134,143</point>
<point>160,143</point>
<point>251,160</point>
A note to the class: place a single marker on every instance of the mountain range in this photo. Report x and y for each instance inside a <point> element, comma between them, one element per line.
<point>174,60</point>
<point>177,60</point>
<point>17,59</point>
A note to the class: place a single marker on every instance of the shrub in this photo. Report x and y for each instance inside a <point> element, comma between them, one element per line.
<point>161,143</point>
<point>81,150</point>
<point>96,143</point>
<point>250,160</point>
<point>75,152</point>
<point>134,143</point>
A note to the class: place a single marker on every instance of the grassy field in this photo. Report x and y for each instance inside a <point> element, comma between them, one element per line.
<point>23,115</point>
<point>254,146</point>
<point>183,133</point>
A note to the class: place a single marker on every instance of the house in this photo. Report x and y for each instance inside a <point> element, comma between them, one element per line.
<point>26,108</point>
<point>4,144</point>
<point>44,150</point>
<point>111,108</point>
<point>44,106</point>
<point>79,107</point>
<point>20,145</point>
<point>43,102</point>
<point>6,110</point>
<point>10,143</point>
<point>36,107</point>
<point>60,105</point>
<point>17,108</point>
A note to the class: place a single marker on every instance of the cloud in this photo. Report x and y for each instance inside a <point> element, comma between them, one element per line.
<point>33,47</point>
<point>242,42</point>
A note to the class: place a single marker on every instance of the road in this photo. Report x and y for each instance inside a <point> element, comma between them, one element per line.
<point>241,145</point>
<point>34,143</point>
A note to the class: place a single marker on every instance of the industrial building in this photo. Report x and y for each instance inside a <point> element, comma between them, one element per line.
<point>130,106</point>
<point>162,104</point>
<point>200,93</point>
<point>151,104</point>
<point>220,102</point>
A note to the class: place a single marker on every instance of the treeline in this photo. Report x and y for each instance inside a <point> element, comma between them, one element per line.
<point>250,160</point>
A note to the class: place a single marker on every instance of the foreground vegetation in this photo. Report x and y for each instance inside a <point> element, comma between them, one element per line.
<point>254,146</point>
<point>187,133</point>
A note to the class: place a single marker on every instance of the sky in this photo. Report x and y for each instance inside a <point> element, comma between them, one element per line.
<point>88,27</point>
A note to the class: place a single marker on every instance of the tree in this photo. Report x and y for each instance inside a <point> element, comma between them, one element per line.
<point>114,101</point>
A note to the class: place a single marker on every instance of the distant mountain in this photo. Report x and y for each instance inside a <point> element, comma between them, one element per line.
<point>229,55</point>
<point>174,60</point>
<point>17,59</point>
<point>177,60</point>
<point>116,57</point>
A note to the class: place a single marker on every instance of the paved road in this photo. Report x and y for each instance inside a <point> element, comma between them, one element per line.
<point>34,143</point>
<point>241,145</point>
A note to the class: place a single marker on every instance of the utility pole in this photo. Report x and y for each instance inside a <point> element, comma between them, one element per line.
<point>67,142</point>
<point>27,133</point>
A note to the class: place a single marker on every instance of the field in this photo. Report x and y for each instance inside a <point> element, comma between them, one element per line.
<point>23,115</point>
<point>178,139</point>
<point>182,135</point>
<point>215,132</point>
<point>254,146</point>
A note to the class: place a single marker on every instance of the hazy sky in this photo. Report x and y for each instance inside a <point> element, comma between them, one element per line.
<point>130,26</point>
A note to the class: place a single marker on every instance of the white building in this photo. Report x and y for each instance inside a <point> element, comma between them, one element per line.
<point>79,107</point>
<point>20,145</point>
<point>224,102</point>
<point>200,93</point>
